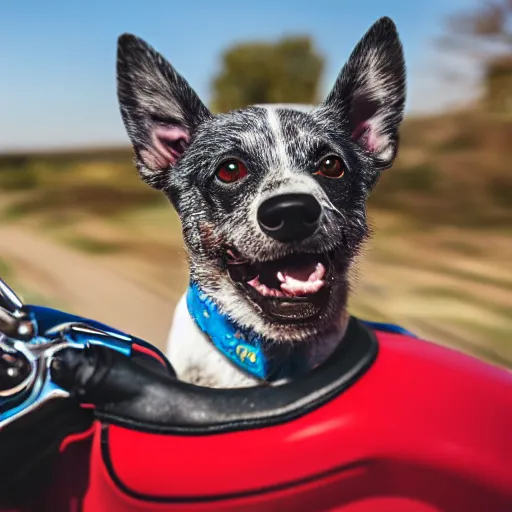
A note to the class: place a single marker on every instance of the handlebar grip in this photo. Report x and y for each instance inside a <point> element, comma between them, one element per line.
<point>96,375</point>
<point>124,390</point>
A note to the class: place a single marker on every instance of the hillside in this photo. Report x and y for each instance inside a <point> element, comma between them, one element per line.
<point>439,262</point>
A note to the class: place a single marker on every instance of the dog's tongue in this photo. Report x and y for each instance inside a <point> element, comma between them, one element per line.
<point>305,280</point>
<point>300,272</point>
<point>289,280</point>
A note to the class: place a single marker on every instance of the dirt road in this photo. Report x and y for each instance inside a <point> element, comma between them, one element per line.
<point>465,304</point>
<point>93,290</point>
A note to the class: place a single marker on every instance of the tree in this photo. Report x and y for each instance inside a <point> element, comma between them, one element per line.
<point>287,71</point>
<point>485,34</point>
<point>498,84</point>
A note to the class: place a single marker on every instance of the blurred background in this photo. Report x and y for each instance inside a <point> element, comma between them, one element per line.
<point>79,231</point>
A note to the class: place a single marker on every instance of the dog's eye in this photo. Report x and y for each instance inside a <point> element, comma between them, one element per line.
<point>231,171</point>
<point>330,167</point>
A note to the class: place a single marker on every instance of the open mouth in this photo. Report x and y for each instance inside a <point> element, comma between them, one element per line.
<point>290,289</point>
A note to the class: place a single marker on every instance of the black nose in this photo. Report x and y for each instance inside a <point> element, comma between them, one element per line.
<point>289,217</point>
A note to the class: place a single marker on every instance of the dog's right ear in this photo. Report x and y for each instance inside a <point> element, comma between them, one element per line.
<point>368,97</point>
<point>159,108</point>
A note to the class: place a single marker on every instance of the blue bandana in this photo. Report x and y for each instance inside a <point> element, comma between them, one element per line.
<point>250,352</point>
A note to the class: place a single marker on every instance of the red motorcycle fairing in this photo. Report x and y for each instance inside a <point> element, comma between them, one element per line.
<point>425,429</point>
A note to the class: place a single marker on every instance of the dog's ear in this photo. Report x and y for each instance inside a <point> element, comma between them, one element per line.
<point>368,97</point>
<point>159,108</point>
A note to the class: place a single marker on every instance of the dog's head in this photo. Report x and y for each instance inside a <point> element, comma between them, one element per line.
<point>272,200</point>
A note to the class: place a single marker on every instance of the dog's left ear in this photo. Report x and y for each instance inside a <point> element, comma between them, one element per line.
<point>159,108</point>
<point>368,97</point>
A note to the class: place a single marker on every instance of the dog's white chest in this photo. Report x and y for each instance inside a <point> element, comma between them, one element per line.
<point>195,358</point>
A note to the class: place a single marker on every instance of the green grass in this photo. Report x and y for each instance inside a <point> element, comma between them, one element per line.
<point>397,257</point>
<point>362,309</point>
<point>471,276</point>
<point>491,351</point>
<point>461,142</point>
<point>441,292</point>
<point>423,178</point>
<point>462,248</point>
<point>438,292</point>
<point>92,246</point>
<point>451,170</point>
<point>28,295</point>
<point>497,341</point>
<point>32,297</point>
<point>5,270</point>
<point>16,180</point>
<point>498,336</point>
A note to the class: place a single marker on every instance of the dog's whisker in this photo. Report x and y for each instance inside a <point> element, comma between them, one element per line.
<point>328,204</point>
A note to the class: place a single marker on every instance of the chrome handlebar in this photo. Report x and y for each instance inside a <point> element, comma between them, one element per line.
<point>27,356</point>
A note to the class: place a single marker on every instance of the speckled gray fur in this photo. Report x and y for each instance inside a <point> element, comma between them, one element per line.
<point>358,122</point>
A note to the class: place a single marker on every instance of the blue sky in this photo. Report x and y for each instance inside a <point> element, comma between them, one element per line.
<point>57,81</point>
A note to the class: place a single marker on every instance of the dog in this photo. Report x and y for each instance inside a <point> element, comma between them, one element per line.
<point>272,203</point>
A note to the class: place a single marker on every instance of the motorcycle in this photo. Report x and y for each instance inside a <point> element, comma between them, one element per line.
<point>93,419</point>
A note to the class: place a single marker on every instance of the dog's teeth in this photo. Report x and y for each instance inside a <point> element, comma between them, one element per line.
<point>317,274</point>
<point>254,282</point>
<point>291,290</point>
<point>291,281</point>
<point>291,287</point>
<point>317,285</point>
<point>263,289</point>
<point>295,287</point>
